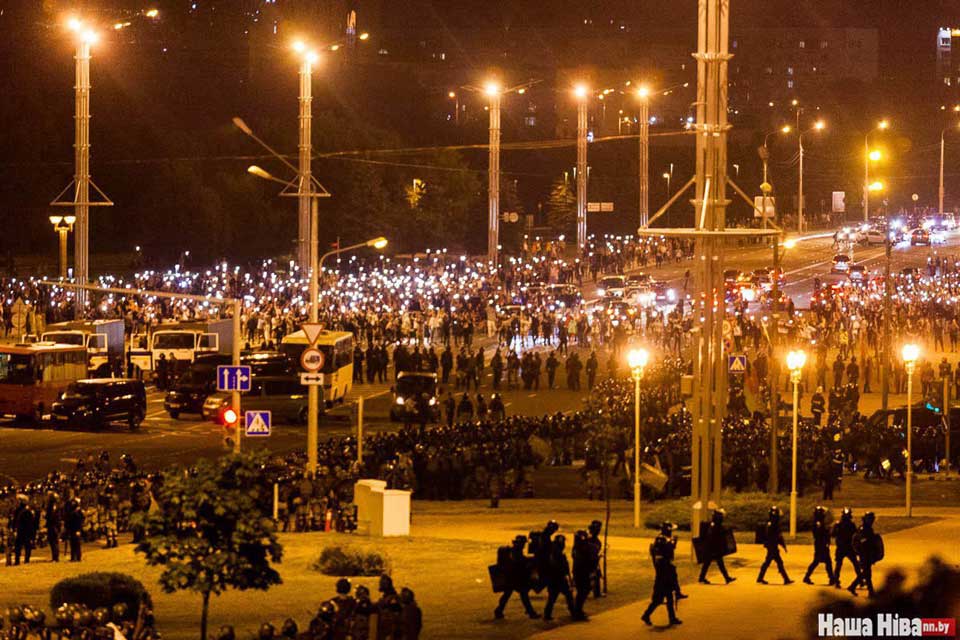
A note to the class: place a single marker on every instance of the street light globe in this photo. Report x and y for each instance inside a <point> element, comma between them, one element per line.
<point>819,125</point>
<point>364,36</point>
<point>377,243</point>
<point>875,186</point>
<point>794,102</point>
<point>666,175</point>
<point>56,220</point>
<point>89,36</point>
<point>643,92</point>
<point>452,94</point>
<point>491,88</point>
<point>883,124</point>
<point>74,24</point>
<point>70,219</point>
<point>785,129</point>
<point>638,358</point>
<point>580,91</point>
<point>299,46</point>
<point>790,244</point>
<point>910,352</point>
<point>875,155</point>
<point>311,57</point>
<point>796,360</point>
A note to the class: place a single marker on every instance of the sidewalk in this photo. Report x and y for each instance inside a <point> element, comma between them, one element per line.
<point>746,609</point>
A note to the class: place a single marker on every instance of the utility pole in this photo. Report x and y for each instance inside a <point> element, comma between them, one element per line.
<point>305,257</point>
<point>493,178</point>
<point>86,37</point>
<point>643,158</point>
<point>581,93</point>
<point>943,133</point>
<point>887,319</point>
<point>800,187</point>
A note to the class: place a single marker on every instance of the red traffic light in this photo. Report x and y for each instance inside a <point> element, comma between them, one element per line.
<point>230,417</point>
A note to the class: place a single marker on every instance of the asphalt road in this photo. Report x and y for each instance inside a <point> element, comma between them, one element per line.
<point>28,453</point>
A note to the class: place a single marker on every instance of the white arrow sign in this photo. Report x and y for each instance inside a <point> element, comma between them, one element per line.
<point>311,379</point>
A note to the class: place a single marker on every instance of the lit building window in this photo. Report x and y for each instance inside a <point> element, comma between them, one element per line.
<point>824,44</point>
<point>789,84</point>
<point>789,71</point>
<point>803,45</point>
<point>530,121</point>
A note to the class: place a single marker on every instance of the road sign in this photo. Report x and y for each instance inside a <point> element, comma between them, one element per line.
<point>257,423</point>
<point>230,378</point>
<point>764,206</point>
<point>311,360</point>
<point>838,202</point>
<point>312,331</point>
<point>737,364</point>
<point>311,379</point>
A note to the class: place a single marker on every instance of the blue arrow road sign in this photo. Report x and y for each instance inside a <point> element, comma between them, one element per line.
<point>737,364</point>
<point>257,423</point>
<point>231,378</point>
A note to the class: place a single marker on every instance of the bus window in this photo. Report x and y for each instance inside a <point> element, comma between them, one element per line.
<point>16,369</point>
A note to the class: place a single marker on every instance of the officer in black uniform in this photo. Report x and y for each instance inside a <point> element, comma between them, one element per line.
<point>665,583</point>
<point>558,579</point>
<point>518,579</point>
<point>714,534</point>
<point>54,519</point>
<point>821,545</point>
<point>586,560</point>
<point>869,547</point>
<point>773,542</point>
<point>843,532</point>
<point>73,528</point>
<point>818,405</point>
<point>594,540</point>
<point>25,529</point>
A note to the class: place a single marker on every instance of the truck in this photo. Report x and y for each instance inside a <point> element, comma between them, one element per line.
<point>104,340</point>
<point>179,342</point>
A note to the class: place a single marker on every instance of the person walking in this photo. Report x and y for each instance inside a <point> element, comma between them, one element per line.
<point>821,545</point>
<point>665,583</point>
<point>772,542</point>
<point>713,535</point>
<point>843,532</point>
<point>516,567</point>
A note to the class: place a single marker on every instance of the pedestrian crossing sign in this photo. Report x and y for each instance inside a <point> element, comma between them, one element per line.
<point>257,423</point>
<point>737,364</point>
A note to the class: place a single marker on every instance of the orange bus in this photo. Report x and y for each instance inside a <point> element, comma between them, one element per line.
<point>32,376</point>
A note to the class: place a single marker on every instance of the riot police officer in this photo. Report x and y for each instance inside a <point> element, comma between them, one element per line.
<point>54,519</point>
<point>24,529</point>
<point>586,560</point>
<point>73,528</point>
<point>869,547</point>
<point>821,545</point>
<point>665,583</point>
<point>773,541</point>
<point>843,532</point>
<point>517,572</point>
<point>818,405</point>
<point>714,535</point>
<point>558,579</point>
<point>594,540</point>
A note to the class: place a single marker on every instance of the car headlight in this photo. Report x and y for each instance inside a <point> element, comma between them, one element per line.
<point>432,402</point>
<point>601,292</point>
<point>400,400</point>
<point>671,294</point>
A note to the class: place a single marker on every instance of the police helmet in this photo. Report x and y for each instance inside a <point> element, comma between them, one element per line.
<point>819,513</point>
<point>847,513</point>
<point>667,528</point>
<point>343,586</point>
<point>595,527</point>
<point>869,518</point>
<point>718,515</point>
<point>775,512</point>
<point>289,628</point>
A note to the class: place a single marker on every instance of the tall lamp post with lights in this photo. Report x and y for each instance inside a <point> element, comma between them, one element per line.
<point>868,157</point>
<point>643,162</point>
<point>63,225</point>
<point>910,354</point>
<point>819,125</point>
<point>795,362</point>
<point>637,359</point>
<point>582,93</point>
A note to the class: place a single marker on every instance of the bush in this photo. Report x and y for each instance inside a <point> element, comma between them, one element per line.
<point>744,511</point>
<point>100,589</point>
<point>337,561</point>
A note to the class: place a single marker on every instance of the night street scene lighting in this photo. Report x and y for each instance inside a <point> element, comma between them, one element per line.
<point>478,320</point>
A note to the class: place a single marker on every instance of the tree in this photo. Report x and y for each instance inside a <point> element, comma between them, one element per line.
<point>562,207</point>
<point>211,531</point>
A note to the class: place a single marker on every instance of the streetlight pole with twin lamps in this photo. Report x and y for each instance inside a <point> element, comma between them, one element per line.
<point>493,91</point>
<point>883,125</point>
<point>910,354</point>
<point>817,126</point>
<point>643,95</point>
<point>63,225</point>
<point>637,359</point>
<point>795,362</point>
<point>581,93</point>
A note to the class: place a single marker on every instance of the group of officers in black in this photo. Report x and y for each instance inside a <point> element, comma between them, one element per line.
<point>540,562</point>
<point>546,565</point>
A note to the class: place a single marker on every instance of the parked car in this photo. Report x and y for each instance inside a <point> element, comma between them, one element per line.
<point>283,396</point>
<point>96,402</point>
<point>407,397</point>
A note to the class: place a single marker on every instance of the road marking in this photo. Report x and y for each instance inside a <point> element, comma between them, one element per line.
<point>155,414</point>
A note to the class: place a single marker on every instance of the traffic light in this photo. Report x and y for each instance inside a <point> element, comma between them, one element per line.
<point>230,421</point>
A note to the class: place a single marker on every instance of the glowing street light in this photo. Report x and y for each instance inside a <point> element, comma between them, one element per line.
<point>63,225</point>
<point>875,186</point>
<point>795,362</point>
<point>580,91</point>
<point>875,156</point>
<point>883,125</point>
<point>637,359</point>
<point>492,88</point>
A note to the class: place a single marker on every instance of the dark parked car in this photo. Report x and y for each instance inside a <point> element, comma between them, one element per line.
<point>200,380</point>
<point>100,401</point>
<point>408,397</point>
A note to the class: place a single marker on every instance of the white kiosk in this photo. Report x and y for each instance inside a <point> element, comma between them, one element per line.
<point>381,511</point>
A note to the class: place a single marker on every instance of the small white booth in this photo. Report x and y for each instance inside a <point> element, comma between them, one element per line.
<point>381,511</point>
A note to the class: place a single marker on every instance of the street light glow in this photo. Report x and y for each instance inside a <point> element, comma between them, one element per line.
<point>56,220</point>
<point>492,88</point>
<point>643,92</point>
<point>259,172</point>
<point>796,360</point>
<point>580,91</point>
<point>70,219</point>
<point>910,352</point>
<point>785,129</point>
<point>364,36</point>
<point>666,175</point>
<point>638,358</point>
<point>876,186</point>
<point>819,125</point>
<point>152,13</point>
<point>311,57</point>
<point>883,125</point>
<point>794,102</point>
<point>452,94</point>
<point>377,243</point>
<point>74,24</point>
<point>790,244</point>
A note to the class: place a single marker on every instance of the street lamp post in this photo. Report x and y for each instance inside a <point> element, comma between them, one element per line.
<point>63,225</point>
<point>637,359</point>
<point>308,58</point>
<point>943,133</point>
<point>867,157</point>
<point>493,91</point>
<point>581,92</point>
<point>643,162</point>
<point>817,126</point>
<point>795,362</point>
<point>910,354</point>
